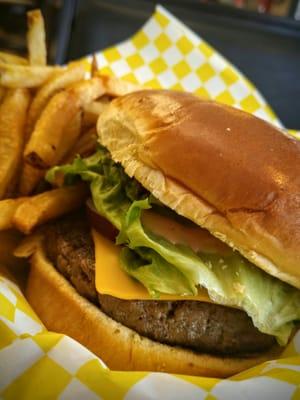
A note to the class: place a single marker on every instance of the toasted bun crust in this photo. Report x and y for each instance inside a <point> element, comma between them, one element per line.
<point>63,310</point>
<point>226,170</point>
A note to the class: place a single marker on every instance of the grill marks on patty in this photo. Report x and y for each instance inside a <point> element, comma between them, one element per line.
<point>203,327</point>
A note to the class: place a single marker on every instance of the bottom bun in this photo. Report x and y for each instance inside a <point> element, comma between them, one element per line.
<point>63,310</point>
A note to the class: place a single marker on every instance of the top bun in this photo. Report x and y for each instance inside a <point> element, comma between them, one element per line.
<point>228,171</point>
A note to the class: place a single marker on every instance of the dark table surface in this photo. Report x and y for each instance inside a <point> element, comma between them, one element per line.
<point>266,50</point>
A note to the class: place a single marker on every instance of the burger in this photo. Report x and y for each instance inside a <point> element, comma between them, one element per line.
<point>187,259</point>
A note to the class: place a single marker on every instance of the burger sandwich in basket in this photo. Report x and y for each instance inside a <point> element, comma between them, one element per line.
<point>187,258</point>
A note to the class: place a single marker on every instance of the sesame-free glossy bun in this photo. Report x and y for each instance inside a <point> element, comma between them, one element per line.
<point>226,170</point>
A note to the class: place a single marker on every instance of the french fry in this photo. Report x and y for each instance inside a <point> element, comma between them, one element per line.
<point>59,81</point>
<point>43,144</point>
<point>117,87</point>
<point>92,111</point>
<point>10,58</point>
<point>27,246</point>
<point>9,240</point>
<point>94,66</point>
<point>36,41</point>
<point>12,188</point>
<point>31,176</point>
<point>12,124</point>
<point>7,211</point>
<point>85,146</point>
<point>89,120</point>
<point>42,149</point>
<point>48,205</point>
<point>87,91</point>
<point>21,76</point>
<point>70,137</point>
<point>29,179</point>
<point>2,93</point>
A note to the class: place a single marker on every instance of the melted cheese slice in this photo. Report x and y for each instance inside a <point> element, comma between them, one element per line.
<point>112,280</point>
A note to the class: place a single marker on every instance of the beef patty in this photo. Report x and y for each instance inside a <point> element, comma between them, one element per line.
<point>203,327</point>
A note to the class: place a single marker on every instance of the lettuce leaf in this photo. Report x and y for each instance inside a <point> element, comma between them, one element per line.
<point>163,267</point>
<point>112,190</point>
<point>154,272</point>
<point>231,280</point>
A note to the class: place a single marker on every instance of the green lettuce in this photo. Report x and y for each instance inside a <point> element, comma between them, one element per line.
<point>163,267</point>
<point>230,280</point>
<point>112,190</point>
<point>155,273</point>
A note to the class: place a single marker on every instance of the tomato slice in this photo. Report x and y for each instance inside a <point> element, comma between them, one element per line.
<point>101,224</point>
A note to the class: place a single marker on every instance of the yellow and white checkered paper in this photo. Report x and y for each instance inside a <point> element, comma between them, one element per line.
<point>37,364</point>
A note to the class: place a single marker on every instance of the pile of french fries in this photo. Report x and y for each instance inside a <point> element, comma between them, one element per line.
<point>48,116</point>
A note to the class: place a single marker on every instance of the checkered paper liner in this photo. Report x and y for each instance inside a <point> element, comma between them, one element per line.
<point>37,364</point>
